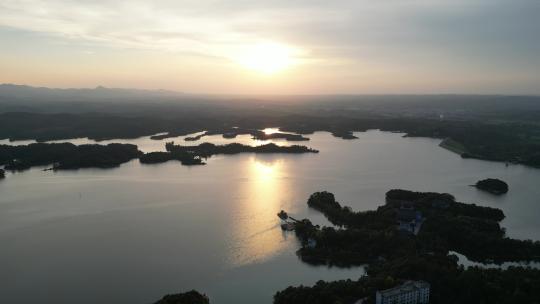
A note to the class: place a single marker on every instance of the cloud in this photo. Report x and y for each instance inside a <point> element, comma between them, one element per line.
<point>480,37</point>
<point>213,27</point>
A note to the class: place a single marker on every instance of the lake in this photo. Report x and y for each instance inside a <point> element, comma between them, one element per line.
<point>137,232</point>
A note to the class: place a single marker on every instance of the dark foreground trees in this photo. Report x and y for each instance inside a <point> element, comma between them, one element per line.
<point>185,158</point>
<point>190,297</point>
<point>449,284</point>
<point>371,238</point>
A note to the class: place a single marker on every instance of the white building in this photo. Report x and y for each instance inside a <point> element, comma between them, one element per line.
<point>410,292</point>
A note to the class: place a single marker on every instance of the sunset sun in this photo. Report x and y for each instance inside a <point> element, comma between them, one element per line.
<point>267,58</point>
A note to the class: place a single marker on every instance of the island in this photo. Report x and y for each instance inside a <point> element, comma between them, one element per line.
<point>493,186</point>
<point>66,156</point>
<point>344,134</point>
<point>233,132</point>
<point>185,158</point>
<point>190,297</point>
<point>196,137</point>
<point>194,155</point>
<point>495,128</point>
<point>411,237</point>
<point>255,133</point>
<point>63,156</point>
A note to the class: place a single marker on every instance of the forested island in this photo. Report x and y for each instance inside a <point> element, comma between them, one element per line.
<point>185,158</point>
<point>449,226</point>
<point>235,131</point>
<point>493,186</point>
<point>69,156</point>
<point>194,155</point>
<point>517,140</point>
<point>374,239</point>
<point>66,156</point>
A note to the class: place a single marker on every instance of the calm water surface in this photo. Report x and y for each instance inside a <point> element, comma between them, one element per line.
<point>135,233</point>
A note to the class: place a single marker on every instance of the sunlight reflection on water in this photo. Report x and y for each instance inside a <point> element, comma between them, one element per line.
<point>256,226</point>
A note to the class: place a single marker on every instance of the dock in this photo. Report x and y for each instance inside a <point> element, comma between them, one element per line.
<point>287,222</point>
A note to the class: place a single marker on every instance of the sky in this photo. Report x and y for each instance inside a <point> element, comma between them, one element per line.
<point>275,47</point>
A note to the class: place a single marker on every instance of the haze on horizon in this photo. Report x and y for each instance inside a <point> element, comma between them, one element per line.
<point>275,47</point>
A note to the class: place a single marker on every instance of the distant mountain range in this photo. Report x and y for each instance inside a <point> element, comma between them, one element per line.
<point>23,98</point>
<point>24,92</point>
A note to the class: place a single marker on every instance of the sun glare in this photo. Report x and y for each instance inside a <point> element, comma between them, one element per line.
<point>267,58</point>
<point>264,171</point>
<point>269,131</point>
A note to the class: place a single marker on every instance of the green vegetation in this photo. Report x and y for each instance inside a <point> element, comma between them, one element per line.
<point>233,132</point>
<point>453,146</point>
<point>439,203</point>
<point>344,134</point>
<point>207,149</point>
<point>187,159</point>
<point>449,226</point>
<point>342,292</point>
<point>371,238</point>
<point>189,138</point>
<point>344,216</point>
<point>190,297</point>
<point>492,185</point>
<point>506,138</point>
<point>66,156</point>
<point>193,155</point>
<point>450,284</point>
<point>2,173</point>
<point>70,156</point>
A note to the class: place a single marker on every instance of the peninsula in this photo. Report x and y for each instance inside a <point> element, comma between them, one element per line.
<point>393,254</point>
<point>66,156</point>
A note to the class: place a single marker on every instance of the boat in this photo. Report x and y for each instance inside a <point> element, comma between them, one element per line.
<point>286,226</point>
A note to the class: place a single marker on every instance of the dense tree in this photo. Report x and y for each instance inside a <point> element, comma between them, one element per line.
<point>449,284</point>
<point>228,132</point>
<point>207,149</point>
<point>516,142</point>
<point>190,297</point>
<point>193,155</point>
<point>466,228</point>
<point>159,157</point>
<point>492,185</point>
<point>393,257</point>
<point>66,155</point>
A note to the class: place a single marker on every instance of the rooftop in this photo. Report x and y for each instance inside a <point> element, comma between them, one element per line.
<point>404,288</point>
